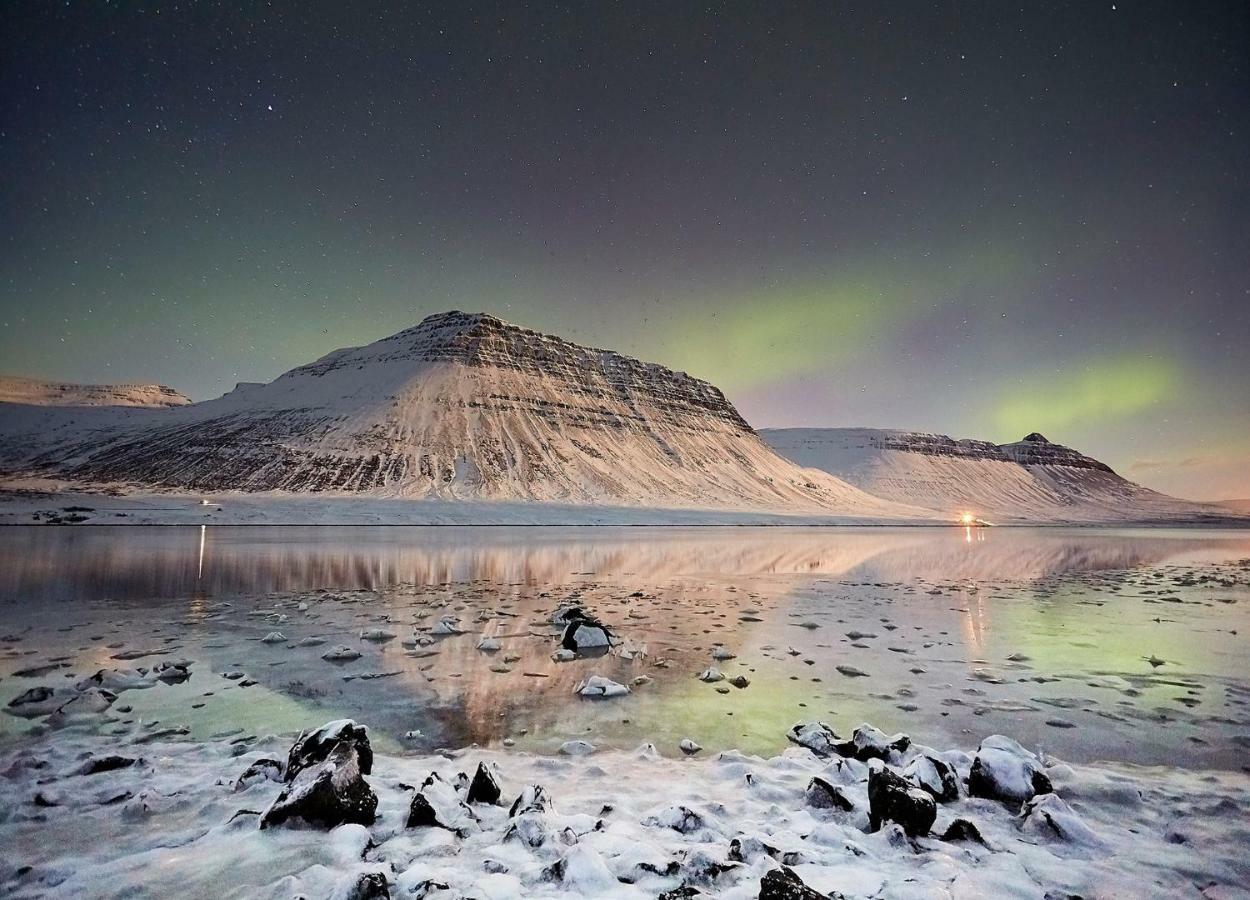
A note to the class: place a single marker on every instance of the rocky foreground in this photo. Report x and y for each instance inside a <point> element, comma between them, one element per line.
<point>136,811</point>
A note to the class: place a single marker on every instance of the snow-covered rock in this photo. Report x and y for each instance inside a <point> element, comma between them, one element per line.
<point>815,736</point>
<point>892,799</point>
<point>596,686</point>
<point>327,793</point>
<point>1003,770</point>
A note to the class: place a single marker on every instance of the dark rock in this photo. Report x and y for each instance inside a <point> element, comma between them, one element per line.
<point>681,819</point>
<point>436,805</point>
<point>815,736</point>
<point>313,747</point>
<point>328,793</point>
<point>484,788</point>
<point>782,884</point>
<point>685,892</point>
<point>891,798</point>
<point>935,776</point>
<point>963,830</point>
<point>1003,770</point>
<point>105,764</point>
<point>365,886</point>
<point>261,770</point>
<point>533,798</point>
<point>823,795</point>
<point>871,743</point>
<point>748,848</point>
<point>586,634</point>
<point>38,701</point>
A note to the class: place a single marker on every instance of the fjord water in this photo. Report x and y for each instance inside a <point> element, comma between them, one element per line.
<point>1127,645</point>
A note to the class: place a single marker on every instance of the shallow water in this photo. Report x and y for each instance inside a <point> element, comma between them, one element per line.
<point>1044,634</point>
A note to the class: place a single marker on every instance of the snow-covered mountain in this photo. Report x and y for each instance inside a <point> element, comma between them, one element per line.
<point>34,392</point>
<point>461,406</point>
<point>1032,480</point>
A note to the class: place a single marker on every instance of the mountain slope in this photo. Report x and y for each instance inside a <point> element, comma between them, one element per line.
<point>461,406</point>
<point>1032,480</point>
<point>34,392</point>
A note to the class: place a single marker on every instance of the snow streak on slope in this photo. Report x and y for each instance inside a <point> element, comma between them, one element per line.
<point>461,406</point>
<point>1031,480</point>
<point>53,393</point>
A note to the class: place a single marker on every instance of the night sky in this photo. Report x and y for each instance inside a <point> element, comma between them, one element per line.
<point>982,219</point>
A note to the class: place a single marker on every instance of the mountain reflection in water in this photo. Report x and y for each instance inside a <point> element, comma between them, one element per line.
<point>1043,634</point>
<point>40,563</point>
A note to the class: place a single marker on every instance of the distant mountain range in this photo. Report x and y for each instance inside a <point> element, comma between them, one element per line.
<point>56,393</point>
<point>466,407</point>
<point>1031,480</point>
<point>461,406</point>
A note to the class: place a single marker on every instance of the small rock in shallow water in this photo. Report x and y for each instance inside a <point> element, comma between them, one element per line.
<point>598,686</point>
<point>689,747</point>
<point>711,675</point>
<point>341,654</point>
<point>274,637</point>
<point>577,748</point>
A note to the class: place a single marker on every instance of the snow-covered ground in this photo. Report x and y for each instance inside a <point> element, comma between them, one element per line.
<point>172,819</point>
<point>33,501</point>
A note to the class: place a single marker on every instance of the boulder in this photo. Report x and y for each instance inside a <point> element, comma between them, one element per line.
<point>87,704</point>
<point>484,788</point>
<point>327,793</point>
<point>341,654</point>
<point>935,776</point>
<point>316,745</point>
<point>815,736</point>
<point>1003,770</point>
<point>782,883</point>
<point>891,798</point>
<point>437,805</point>
<point>868,743</point>
<point>577,748</point>
<point>823,795</point>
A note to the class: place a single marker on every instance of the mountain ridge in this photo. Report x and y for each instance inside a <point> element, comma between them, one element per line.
<point>1030,480</point>
<point>459,406</point>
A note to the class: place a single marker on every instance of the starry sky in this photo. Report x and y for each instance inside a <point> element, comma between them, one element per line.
<point>977,218</point>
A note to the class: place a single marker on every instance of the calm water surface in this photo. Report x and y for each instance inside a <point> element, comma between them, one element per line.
<point>1094,644</point>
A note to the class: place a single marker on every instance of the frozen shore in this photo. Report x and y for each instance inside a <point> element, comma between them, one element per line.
<point>135,811</point>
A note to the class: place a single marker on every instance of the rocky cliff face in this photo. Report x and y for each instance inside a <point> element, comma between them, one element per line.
<point>459,406</point>
<point>33,392</point>
<point>1031,480</point>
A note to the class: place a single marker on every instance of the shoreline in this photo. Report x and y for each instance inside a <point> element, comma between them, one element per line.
<point>174,820</point>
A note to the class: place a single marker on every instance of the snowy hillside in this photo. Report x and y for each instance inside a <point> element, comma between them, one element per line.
<point>461,406</point>
<point>1032,480</point>
<point>52,393</point>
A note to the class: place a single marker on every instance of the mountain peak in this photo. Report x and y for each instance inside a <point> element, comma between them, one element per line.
<point>1035,437</point>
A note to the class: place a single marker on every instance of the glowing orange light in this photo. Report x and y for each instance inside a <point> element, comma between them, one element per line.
<point>967,518</point>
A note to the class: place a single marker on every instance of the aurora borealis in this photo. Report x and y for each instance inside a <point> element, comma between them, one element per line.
<point>962,217</point>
